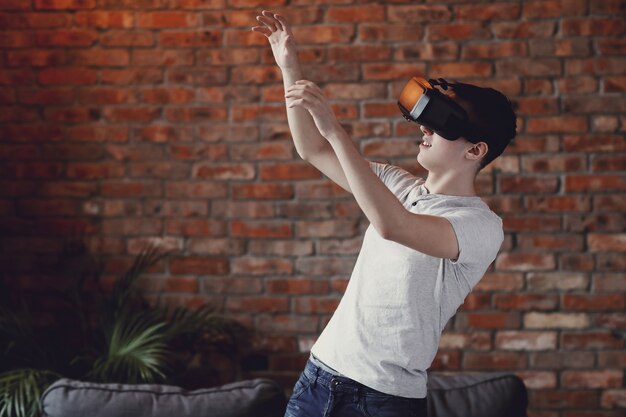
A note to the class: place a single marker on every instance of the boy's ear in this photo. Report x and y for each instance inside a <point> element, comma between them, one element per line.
<point>479,149</point>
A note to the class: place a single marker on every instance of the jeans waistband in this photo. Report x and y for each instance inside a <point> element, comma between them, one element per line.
<point>318,375</point>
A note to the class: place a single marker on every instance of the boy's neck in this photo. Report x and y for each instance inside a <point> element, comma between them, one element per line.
<point>450,184</point>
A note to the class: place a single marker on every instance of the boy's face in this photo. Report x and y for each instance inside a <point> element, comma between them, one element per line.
<point>442,154</point>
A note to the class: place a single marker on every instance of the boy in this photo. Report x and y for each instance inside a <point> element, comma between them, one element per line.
<point>429,242</point>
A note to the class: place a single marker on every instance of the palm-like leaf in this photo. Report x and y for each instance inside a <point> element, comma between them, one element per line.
<point>137,351</point>
<point>124,288</point>
<point>20,391</point>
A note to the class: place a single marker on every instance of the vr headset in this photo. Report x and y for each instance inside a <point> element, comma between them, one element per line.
<point>422,103</point>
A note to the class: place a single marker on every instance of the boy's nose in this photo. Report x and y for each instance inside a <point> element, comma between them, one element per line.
<point>426,130</point>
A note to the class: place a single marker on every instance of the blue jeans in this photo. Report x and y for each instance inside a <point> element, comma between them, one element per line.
<point>318,393</point>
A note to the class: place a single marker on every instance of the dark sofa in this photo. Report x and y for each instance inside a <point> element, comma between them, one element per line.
<point>487,394</point>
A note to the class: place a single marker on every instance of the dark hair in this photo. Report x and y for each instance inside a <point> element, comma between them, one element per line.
<point>493,112</point>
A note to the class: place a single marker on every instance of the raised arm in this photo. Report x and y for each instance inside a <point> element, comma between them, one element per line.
<point>309,143</point>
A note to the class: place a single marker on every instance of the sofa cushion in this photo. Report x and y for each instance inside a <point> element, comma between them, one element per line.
<point>71,398</point>
<point>486,394</point>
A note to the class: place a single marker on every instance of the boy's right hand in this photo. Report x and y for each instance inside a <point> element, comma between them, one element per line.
<point>278,32</point>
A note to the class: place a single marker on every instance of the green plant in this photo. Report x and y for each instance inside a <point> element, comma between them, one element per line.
<point>113,336</point>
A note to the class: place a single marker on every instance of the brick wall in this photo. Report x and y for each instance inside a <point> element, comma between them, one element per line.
<point>128,121</point>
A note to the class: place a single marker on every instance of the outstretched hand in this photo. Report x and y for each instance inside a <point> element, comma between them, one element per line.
<point>281,39</point>
<point>309,96</point>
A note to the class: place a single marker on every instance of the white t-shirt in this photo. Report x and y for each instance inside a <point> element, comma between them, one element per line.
<point>386,330</point>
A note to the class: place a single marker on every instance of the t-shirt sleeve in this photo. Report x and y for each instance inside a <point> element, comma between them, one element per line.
<point>479,235</point>
<point>398,180</point>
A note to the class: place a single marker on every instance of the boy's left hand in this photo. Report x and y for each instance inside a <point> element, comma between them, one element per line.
<point>308,95</point>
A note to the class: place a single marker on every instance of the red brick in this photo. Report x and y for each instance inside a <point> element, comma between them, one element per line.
<point>494,50</point>
<point>164,208</point>
<point>554,8</point>
<point>326,228</point>
<point>64,4</point>
<point>524,29</point>
<point>243,209</point>
<point>131,114</point>
<point>181,284</point>
<point>127,38</point>
<point>105,19</point>
<point>163,57</point>
<point>519,184</point>
<point>191,39</point>
<point>289,171</point>
<point>385,32</point>
<point>551,359</point>
<point>310,305</point>
<point>609,163</point>
<point>528,261</point>
<point>356,53</point>
<point>195,227</point>
<point>525,301</point>
<point>556,163</point>
<point>594,302</point>
<point>487,320</point>
<point>612,359</point>
<point>463,69</point>
<point>215,246</point>
<point>391,71</point>
<point>351,14</point>
<point>494,360</point>
<point>483,12</point>
<point>418,13</point>
<point>593,27</point>
<point>70,37</point>
<point>565,399</point>
<point>287,324</point>
<point>609,282</point>
<point>593,143</point>
<point>590,340</point>
<point>257,228</point>
<point>258,304</point>
<point>565,124</point>
<point>579,84</point>
<point>131,76</point>
<point>198,265</point>
<point>459,31</point>
<point>297,286</point>
<point>15,5</point>
<point>263,191</point>
<point>590,183</point>
<point>189,114</point>
<point>130,188</point>
<point>611,46</point>
<point>189,189</point>
<point>593,105</point>
<point>500,281</point>
<point>606,242</point>
<point>536,105</point>
<point>67,76</point>
<point>323,34</point>
<point>555,203</point>
<point>232,285</point>
<point>166,19</point>
<point>130,226</point>
<point>261,266</point>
